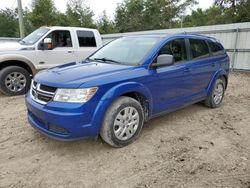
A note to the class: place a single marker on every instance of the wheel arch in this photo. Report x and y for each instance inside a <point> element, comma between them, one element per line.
<point>225,78</point>
<point>219,74</point>
<point>142,99</point>
<point>8,60</point>
<point>131,89</point>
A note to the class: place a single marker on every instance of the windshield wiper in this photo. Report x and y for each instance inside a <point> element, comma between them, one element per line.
<point>107,60</point>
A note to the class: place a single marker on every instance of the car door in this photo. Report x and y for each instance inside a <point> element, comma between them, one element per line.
<point>62,52</point>
<point>200,68</point>
<point>170,88</point>
<point>218,55</point>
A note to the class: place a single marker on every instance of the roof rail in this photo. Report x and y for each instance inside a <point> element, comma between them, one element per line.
<point>197,34</point>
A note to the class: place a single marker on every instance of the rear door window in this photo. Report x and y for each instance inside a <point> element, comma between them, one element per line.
<point>86,39</point>
<point>199,48</point>
<point>216,48</point>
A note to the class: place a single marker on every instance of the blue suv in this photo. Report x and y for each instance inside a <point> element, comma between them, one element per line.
<point>126,83</point>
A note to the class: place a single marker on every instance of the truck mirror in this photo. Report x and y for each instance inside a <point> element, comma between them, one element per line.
<point>47,43</point>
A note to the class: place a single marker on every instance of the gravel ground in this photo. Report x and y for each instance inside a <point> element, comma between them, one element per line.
<point>193,147</point>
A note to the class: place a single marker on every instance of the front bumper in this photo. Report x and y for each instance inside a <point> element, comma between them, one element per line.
<point>62,121</point>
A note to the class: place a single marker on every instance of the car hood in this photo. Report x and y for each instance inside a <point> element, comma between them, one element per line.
<point>12,46</point>
<point>73,75</point>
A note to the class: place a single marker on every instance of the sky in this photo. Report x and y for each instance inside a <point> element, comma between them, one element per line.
<point>98,6</point>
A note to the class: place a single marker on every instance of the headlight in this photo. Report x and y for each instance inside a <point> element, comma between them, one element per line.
<point>74,95</point>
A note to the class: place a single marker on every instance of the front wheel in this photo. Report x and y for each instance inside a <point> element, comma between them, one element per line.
<point>14,80</point>
<point>214,100</point>
<point>123,122</point>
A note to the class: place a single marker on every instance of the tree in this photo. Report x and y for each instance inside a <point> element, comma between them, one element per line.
<point>135,15</point>
<point>8,23</point>
<point>199,17</point>
<point>165,13</point>
<point>79,14</point>
<point>215,16</point>
<point>43,13</point>
<point>227,3</point>
<point>129,15</point>
<point>229,8</point>
<point>27,23</point>
<point>243,13</point>
<point>61,19</point>
<point>105,25</point>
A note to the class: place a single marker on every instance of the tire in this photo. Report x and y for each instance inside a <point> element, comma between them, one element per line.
<point>214,100</point>
<point>117,129</point>
<point>14,80</point>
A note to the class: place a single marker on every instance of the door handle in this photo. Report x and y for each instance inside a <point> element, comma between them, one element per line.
<point>70,52</point>
<point>187,70</point>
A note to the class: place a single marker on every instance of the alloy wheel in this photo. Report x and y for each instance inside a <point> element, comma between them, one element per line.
<point>15,81</point>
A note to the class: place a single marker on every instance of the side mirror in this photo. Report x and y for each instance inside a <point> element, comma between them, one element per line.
<point>47,44</point>
<point>164,60</point>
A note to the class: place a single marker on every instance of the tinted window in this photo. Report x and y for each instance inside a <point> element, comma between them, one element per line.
<point>216,48</point>
<point>177,49</point>
<point>86,39</point>
<point>60,38</point>
<point>199,48</point>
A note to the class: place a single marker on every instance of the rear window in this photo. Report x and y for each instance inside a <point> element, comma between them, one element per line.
<point>199,48</point>
<point>86,39</point>
<point>216,48</point>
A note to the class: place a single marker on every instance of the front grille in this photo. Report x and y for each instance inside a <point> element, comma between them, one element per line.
<point>42,93</point>
<point>48,88</point>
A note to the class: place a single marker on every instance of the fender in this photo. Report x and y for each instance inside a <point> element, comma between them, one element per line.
<point>16,57</point>
<point>219,73</point>
<point>114,93</point>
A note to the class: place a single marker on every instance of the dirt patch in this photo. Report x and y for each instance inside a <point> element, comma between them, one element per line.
<point>193,147</point>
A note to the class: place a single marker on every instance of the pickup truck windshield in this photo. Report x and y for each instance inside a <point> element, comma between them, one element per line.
<point>34,36</point>
<point>127,50</point>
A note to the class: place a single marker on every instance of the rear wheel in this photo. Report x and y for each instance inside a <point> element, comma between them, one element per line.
<point>123,122</point>
<point>215,98</point>
<point>14,80</point>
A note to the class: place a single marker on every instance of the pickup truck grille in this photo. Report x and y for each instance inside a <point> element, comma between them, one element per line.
<point>42,93</point>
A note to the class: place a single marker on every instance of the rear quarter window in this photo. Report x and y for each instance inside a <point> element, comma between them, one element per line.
<point>86,39</point>
<point>216,48</point>
<point>199,48</point>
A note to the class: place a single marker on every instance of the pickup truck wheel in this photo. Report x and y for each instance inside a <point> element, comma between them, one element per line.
<point>14,80</point>
<point>123,122</point>
<point>214,100</point>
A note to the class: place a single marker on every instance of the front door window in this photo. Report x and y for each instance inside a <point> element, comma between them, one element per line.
<point>60,39</point>
<point>176,48</point>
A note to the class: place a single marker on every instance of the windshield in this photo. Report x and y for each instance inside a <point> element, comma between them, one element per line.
<point>127,50</point>
<point>35,36</point>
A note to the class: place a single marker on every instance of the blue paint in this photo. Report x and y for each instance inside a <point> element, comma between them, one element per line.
<point>165,88</point>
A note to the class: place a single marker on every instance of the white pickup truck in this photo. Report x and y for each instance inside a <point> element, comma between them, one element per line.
<point>44,48</point>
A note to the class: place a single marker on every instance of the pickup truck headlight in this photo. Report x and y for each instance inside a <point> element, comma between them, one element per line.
<point>74,95</point>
